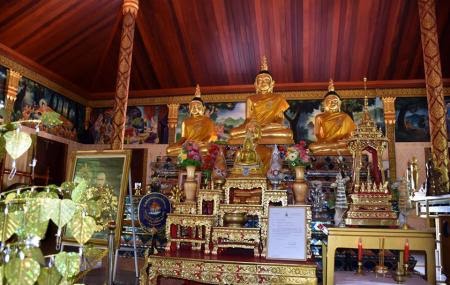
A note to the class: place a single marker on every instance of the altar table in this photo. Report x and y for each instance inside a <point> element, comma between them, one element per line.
<point>226,269</point>
<point>394,239</point>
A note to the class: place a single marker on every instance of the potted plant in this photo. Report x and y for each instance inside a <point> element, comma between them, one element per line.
<point>190,159</point>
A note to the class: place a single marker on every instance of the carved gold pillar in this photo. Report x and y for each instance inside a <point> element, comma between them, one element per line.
<point>129,10</point>
<point>12,86</point>
<point>435,91</point>
<point>389,120</point>
<point>173,120</point>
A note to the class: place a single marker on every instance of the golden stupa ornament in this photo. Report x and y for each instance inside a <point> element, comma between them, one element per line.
<point>370,198</point>
<point>330,85</point>
<point>264,64</point>
<point>198,93</point>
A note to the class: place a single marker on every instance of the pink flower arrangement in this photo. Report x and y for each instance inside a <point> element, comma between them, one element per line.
<point>190,155</point>
<point>298,155</point>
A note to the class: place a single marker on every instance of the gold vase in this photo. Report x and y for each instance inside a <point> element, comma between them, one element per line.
<point>190,185</point>
<point>300,187</point>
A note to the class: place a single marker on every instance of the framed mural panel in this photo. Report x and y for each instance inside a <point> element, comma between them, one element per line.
<point>109,170</point>
<point>411,123</point>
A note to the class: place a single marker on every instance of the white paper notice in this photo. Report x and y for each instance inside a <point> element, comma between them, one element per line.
<point>286,237</point>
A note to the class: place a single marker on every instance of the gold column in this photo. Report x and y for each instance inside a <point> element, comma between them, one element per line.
<point>435,91</point>
<point>12,86</point>
<point>129,10</point>
<point>173,120</point>
<point>389,120</point>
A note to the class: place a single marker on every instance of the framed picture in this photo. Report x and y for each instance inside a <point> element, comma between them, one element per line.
<point>108,169</point>
<point>287,233</point>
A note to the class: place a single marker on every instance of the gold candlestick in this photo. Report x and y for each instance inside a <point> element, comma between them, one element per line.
<point>359,271</point>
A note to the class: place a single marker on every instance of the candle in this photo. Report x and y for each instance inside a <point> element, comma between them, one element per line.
<point>406,252</point>
<point>360,249</point>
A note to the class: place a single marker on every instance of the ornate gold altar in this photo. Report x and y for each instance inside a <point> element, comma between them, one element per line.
<point>371,200</point>
<point>212,269</point>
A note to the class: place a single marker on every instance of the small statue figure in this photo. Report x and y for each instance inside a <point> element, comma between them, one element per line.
<point>332,127</point>
<point>197,127</point>
<point>317,198</point>
<point>267,109</point>
<point>220,166</point>
<point>274,173</point>
<point>413,174</point>
<point>248,155</point>
<point>341,205</point>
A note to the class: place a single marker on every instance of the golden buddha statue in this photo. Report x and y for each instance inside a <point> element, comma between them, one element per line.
<point>197,127</point>
<point>247,160</point>
<point>332,127</point>
<point>267,109</point>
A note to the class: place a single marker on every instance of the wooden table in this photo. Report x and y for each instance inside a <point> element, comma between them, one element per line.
<point>394,239</point>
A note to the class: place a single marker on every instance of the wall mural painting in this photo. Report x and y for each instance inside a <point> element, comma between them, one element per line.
<point>2,83</point>
<point>225,115</point>
<point>412,123</point>
<point>301,115</point>
<point>145,124</point>
<point>33,100</point>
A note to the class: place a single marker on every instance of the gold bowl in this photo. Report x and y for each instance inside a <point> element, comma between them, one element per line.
<point>235,220</point>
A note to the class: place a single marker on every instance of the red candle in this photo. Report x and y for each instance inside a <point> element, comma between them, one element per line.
<point>360,249</point>
<point>406,252</point>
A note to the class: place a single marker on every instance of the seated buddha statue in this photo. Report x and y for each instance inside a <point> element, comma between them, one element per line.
<point>332,127</point>
<point>197,127</point>
<point>247,160</point>
<point>267,109</point>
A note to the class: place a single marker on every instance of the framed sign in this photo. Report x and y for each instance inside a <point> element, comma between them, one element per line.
<point>107,170</point>
<point>287,233</point>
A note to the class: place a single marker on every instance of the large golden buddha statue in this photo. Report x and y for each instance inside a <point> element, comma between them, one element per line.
<point>197,127</point>
<point>266,109</point>
<point>332,127</point>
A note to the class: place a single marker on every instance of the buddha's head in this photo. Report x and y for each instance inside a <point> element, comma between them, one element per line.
<point>332,101</point>
<point>264,82</point>
<point>196,106</point>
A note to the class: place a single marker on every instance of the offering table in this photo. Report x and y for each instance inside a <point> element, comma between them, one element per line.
<point>394,239</point>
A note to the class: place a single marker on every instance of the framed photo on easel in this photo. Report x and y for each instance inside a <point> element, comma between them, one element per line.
<point>106,170</point>
<point>287,233</point>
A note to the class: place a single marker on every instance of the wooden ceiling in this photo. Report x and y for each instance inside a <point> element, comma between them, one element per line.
<point>179,43</point>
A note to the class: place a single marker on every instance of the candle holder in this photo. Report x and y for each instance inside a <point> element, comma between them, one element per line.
<point>406,267</point>
<point>359,271</point>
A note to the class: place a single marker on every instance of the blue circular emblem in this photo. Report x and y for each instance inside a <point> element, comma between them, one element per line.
<point>152,211</point>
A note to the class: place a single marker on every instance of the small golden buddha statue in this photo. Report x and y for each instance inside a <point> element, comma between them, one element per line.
<point>332,127</point>
<point>247,160</point>
<point>267,109</point>
<point>197,127</point>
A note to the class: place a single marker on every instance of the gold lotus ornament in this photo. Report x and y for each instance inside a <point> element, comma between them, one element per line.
<point>67,263</point>
<point>22,271</point>
<point>82,227</point>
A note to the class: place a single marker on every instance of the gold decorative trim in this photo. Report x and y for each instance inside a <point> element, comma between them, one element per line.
<point>289,95</point>
<point>30,74</point>
<point>226,271</point>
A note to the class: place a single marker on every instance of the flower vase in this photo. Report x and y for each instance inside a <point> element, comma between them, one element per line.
<point>300,187</point>
<point>190,185</point>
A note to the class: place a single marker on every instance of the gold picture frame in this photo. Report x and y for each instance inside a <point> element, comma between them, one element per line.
<point>106,167</point>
